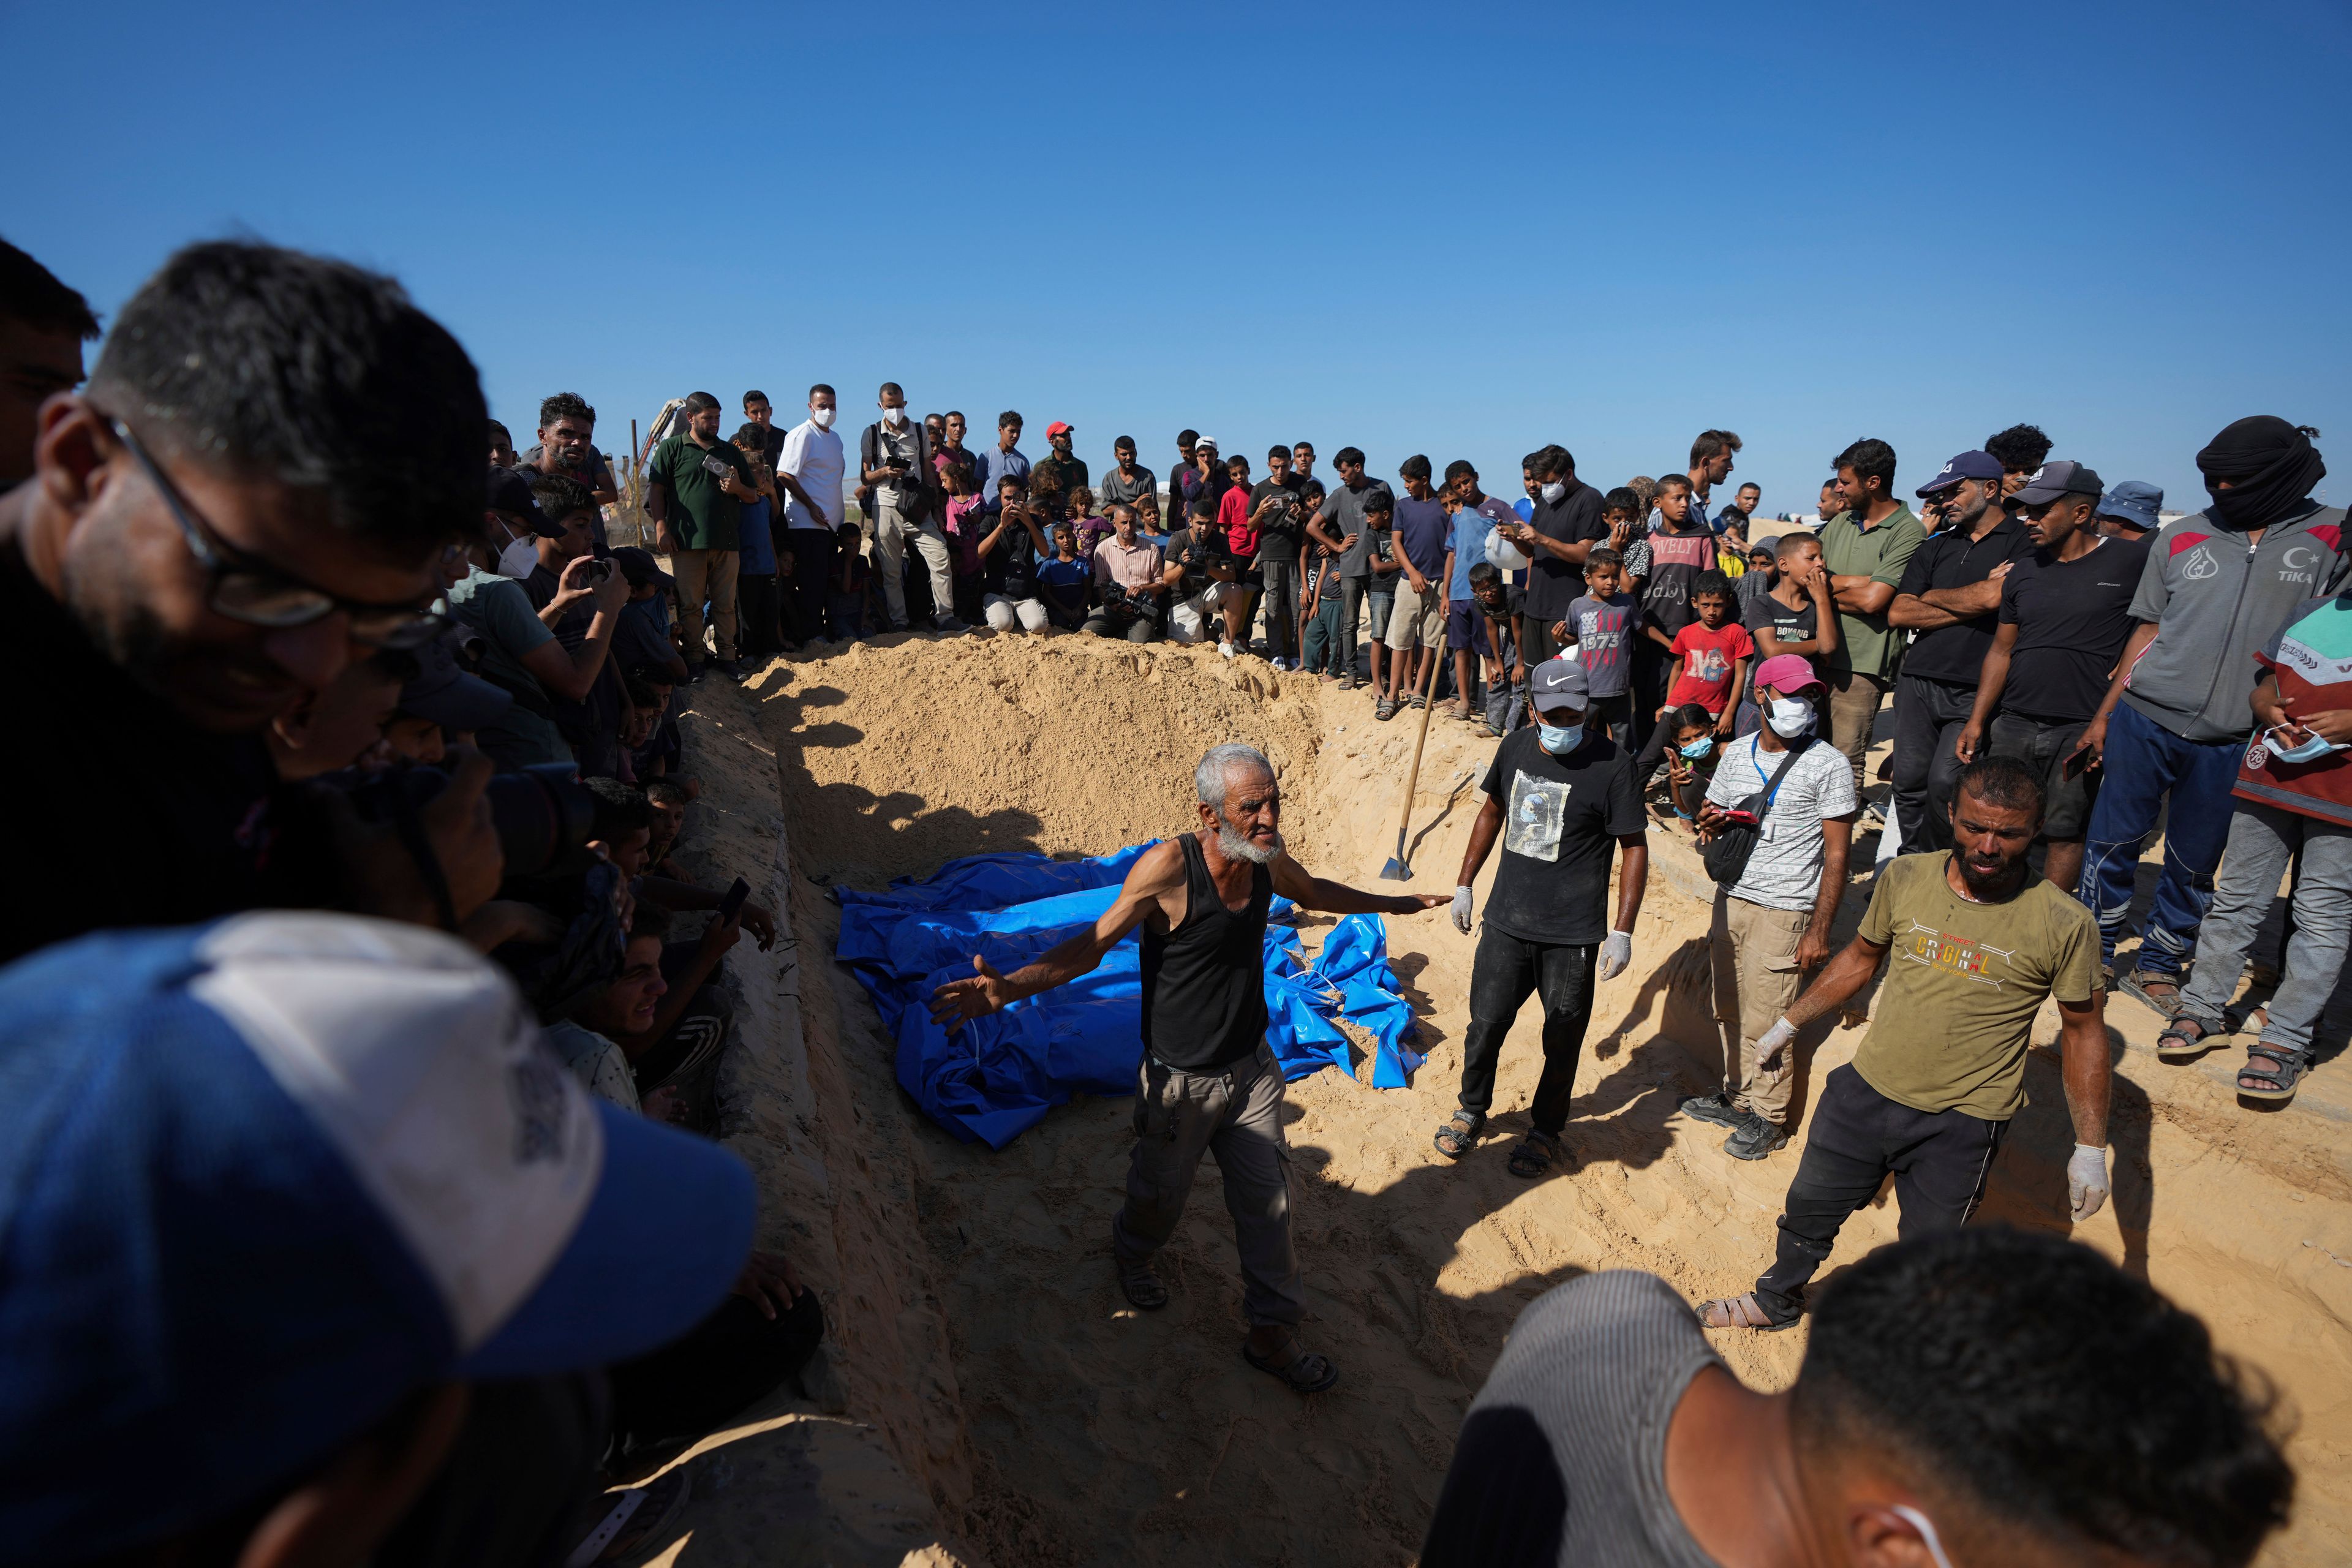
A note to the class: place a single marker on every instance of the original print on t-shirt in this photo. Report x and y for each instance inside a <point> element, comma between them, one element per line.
<point>1538,806</point>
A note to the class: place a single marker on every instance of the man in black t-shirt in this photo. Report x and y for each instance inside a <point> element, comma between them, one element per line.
<point>1948,597</point>
<point>1207,594</point>
<point>1564,527</point>
<point>2065,615</point>
<point>1281,523</point>
<point>1558,794</point>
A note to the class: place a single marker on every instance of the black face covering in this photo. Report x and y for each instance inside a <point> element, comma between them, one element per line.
<point>2271,467</point>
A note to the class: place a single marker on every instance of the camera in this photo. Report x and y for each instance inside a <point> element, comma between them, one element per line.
<point>544,814</point>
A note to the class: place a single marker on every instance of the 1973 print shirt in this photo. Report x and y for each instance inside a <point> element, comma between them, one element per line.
<point>1561,819</point>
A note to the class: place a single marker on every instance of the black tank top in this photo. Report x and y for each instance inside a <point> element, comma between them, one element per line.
<point>1204,982</point>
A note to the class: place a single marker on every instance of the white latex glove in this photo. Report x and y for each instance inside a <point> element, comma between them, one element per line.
<point>1616,953</point>
<point>1461,911</point>
<point>2086,1181</point>
<point>1769,1043</point>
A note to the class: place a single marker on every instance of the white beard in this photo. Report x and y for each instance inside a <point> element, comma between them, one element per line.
<point>1242,848</point>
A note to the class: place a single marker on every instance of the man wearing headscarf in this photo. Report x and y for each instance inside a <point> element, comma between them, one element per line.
<point>2178,714</point>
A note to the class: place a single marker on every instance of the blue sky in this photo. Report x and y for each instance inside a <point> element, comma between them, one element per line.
<point>1457,232</point>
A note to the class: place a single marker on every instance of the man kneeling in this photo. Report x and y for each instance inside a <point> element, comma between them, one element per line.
<point>1208,1082</point>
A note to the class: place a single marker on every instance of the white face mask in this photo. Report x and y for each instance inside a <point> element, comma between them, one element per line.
<point>519,558</point>
<point>821,417</point>
<point>895,415</point>
<point>1554,491</point>
<point>1792,717</point>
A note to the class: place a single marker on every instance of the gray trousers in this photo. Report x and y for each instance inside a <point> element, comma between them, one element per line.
<point>1235,1115</point>
<point>2262,839</point>
<point>893,531</point>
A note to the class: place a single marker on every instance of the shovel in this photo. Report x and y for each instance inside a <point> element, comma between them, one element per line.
<point>1398,870</point>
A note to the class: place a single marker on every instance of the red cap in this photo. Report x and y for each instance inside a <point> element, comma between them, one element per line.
<point>1058,428</point>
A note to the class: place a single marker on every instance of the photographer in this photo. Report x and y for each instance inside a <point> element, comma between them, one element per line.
<point>1128,590</point>
<point>1009,553</point>
<point>585,616</point>
<point>253,492</point>
<point>1204,579</point>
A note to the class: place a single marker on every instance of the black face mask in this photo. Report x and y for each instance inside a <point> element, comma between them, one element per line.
<point>2271,467</point>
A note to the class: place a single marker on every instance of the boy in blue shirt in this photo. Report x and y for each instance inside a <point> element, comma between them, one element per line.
<point>1600,624</point>
<point>1062,582</point>
<point>755,581</point>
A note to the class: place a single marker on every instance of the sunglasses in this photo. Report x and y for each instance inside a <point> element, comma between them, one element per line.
<point>257,594</point>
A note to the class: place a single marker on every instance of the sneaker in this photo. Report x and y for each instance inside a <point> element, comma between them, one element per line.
<point>1754,1137</point>
<point>693,672</point>
<point>1228,649</point>
<point>948,626</point>
<point>1716,1108</point>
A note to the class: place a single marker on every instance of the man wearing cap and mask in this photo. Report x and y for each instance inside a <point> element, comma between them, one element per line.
<point>2130,510</point>
<point>1948,600</point>
<point>2177,716</point>
<point>1558,793</point>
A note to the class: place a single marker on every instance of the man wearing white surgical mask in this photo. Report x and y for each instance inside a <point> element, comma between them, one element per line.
<point>1772,920</point>
<point>809,471</point>
<point>1559,793</point>
<point>893,456</point>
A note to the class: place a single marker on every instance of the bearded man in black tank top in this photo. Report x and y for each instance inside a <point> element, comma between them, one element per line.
<point>1207,1081</point>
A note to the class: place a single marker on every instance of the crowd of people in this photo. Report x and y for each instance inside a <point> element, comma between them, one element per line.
<point>368,1059</point>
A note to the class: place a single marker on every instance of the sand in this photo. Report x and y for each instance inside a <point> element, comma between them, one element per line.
<point>978,1337</point>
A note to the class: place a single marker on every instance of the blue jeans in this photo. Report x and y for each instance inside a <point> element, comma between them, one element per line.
<point>2144,762</point>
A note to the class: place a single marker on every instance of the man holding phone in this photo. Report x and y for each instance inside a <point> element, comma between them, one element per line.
<point>696,487</point>
<point>894,456</point>
<point>2065,615</point>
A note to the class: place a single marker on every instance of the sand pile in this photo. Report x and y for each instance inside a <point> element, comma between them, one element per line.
<point>1070,1429</point>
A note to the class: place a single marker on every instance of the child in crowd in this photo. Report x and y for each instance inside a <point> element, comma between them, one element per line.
<point>1762,574</point>
<point>1319,601</point>
<point>1599,627</point>
<point>1797,614</point>
<point>755,581</point>
<point>663,749</point>
<point>1711,654</point>
<point>1620,513</point>
<point>964,524</point>
<point>1090,527</point>
<point>845,594</point>
<point>1690,759</point>
<point>1500,601</point>
<point>669,798</point>
<point>1062,582</point>
<point>1379,593</point>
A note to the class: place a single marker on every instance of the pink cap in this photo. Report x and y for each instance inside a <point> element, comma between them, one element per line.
<point>1787,672</point>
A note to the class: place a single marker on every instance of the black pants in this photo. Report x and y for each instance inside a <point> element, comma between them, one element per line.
<point>757,630</point>
<point>1654,749</point>
<point>1929,718</point>
<point>1281,604</point>
<point>514,1484</point>
<point>1352,606</point>
<point>729,1360</point>
<point>812,574</point>
<point>1939,1160</point>
<point>1502,974</point>
<point>1113,621</point>
<point>1653,677</point>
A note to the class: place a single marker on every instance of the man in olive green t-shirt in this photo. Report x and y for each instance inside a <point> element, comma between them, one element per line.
<point>696,487</point>
<point>1864,549</point>
<point>1976,940</point>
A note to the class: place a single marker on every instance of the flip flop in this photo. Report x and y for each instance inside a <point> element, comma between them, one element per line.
<point>1304,1372</point>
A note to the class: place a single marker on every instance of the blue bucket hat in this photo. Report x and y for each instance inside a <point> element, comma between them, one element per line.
<point>2136,502</point>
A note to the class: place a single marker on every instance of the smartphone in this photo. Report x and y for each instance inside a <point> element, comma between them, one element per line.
<point>733,904</point>
<point>2072,768</point>
<point>598,571</point>
<point>716,466</point>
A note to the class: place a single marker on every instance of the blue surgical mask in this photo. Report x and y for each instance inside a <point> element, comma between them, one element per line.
<point>1695,750</point>
<point>2316,747</point>
<point>1558,742</point>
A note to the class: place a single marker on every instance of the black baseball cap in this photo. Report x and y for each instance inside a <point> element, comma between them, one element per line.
<point>638,565</point>
<point>510,493</point>
<point>2052,480</point>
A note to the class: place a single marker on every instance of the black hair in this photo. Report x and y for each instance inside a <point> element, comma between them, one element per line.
<point>1671,482</point>
<point>620,809</point>
<point>1376,498</point>
<point>1013,479</point>
<point>561,495</point>
<point>1126,441</point>
<point>651,675</point>
<point>699,403</point>
<point>1202,507</point>
<point>2004,782</point>
<point>851,529</point>
<point>749,434</point>
<point>1460,469</point>
<point>1789,542</point>
<point>1747,485</point>
<point>1414,467</point>
<point>1602,556</point>
<point>1551,462</point>
<point>1689,716</point>
<point>1188,438</point>
<point>890,386</point>
<point>665,787</point>
<point>1296,445</point>
<point>1867,457</point>
<point>640,694</point>
<point>650,920</point>
<point>270,364</point>
<point>1010,416</point>
<point>1312,488</point>
<point>30,292</point>
<point>2018,448</point>
<point>1483,573</point>
<point>821,386</point>
<point>500,435</point>
<point>1278,454</point>
<point>552,409</point>
<point>1711,445</point>
<point>1347,455</point>
<point>1707,583</point>
<point>1621,500</point>
<point>2052,1390</point>
<point>756,396</point>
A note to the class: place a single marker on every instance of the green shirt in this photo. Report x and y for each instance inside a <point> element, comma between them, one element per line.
<point>1880,553</point>
<point>703,516</point>
<point>1071,471</point>
<point>1951,1024</point>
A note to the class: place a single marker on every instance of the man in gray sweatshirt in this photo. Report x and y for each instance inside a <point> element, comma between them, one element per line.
<point>2177,716</point>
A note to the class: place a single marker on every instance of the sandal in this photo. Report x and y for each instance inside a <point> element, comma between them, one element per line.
<point>2270,1072</point>
<point>2187,1038</point>
<point>1739,1312</point>
<point>1535,1153</point>
<point>1384,709</point>
<point>1304,1371</point>
<point>2159,991</point>
<point>1456,1137</point>
<point>1139,1284</point>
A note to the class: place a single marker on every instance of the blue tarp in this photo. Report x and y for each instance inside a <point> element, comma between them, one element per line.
<point>998,1076</point>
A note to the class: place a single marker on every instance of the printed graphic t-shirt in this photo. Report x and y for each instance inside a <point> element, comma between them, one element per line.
<point>1561,819</point>
<point>1950,1026</point>
<point>1603,630</point>
<point>1703,661</point>
<point>2312,657</point>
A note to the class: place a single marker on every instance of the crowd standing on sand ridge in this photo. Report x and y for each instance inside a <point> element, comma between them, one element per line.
<point>366,1112</point>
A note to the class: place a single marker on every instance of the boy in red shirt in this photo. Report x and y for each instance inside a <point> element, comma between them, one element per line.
<point>1711,654</point>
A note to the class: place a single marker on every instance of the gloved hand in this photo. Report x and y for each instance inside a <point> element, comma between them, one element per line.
<point>1461,911</point>
<point>2086,1181</point>
<point>1769,1043</point>
<point>1616,953</point>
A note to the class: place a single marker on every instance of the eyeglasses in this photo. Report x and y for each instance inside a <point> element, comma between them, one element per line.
<point>257,594</point>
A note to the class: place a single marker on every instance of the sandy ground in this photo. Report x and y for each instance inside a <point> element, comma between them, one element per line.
<point>980,1339</point>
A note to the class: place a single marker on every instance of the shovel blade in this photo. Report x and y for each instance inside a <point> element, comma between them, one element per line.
<point>1395,871</point>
